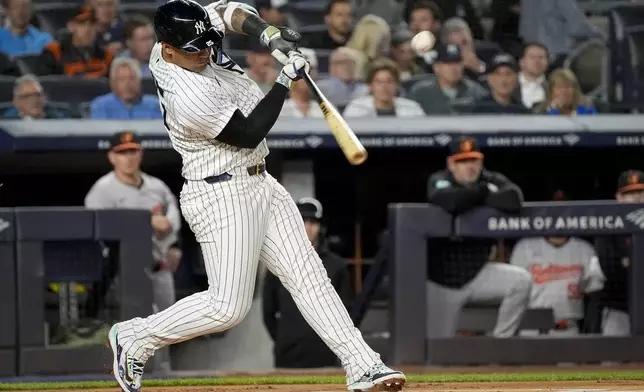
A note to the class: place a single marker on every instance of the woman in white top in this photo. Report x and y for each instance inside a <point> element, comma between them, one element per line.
<point>299,104</point>
<point>383,79</point>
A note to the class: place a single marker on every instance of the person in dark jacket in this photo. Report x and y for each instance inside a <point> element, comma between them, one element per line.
<point>296,344</point>
<point>502,81</point>
<point>611,318</point>
<point>460,270</point>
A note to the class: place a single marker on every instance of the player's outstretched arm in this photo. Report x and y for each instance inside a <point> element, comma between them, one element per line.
<point>248,132</point>
<point>244,19</point>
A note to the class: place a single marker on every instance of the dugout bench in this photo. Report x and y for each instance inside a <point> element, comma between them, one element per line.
<point>41,245</point>
<point>412,224</point>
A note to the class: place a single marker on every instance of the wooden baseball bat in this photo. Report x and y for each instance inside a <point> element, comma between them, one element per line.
<point>343,134</point>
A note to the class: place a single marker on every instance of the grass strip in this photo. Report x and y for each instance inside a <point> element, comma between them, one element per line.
<point>285,380</point>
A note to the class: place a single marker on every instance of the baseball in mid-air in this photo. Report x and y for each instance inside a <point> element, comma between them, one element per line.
<point>423,42</point>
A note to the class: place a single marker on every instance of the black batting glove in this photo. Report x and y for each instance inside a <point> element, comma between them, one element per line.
<point>282,43</point>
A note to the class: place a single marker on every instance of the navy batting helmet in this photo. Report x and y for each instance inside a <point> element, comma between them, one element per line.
<point>185,25</point>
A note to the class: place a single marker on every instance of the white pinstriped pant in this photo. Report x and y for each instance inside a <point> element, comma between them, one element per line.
<point>238,223</point>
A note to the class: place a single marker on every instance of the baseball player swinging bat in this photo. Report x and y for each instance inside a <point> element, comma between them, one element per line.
<point>217,119</point>
<point>351,147</point>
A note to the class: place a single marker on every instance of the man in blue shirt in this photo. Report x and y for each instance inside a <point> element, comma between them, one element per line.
<point>20,38</point>
<point>125,102</point>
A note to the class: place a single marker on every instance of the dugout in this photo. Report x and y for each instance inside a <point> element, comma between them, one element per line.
<point>412,224</point>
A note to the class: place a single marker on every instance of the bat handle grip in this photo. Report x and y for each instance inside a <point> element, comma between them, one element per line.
<point>313,87</point>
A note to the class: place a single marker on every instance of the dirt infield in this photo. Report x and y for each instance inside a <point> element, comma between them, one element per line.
<point>569,386</point>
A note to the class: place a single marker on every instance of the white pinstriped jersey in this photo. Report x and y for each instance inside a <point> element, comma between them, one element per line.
<point>196,106</point>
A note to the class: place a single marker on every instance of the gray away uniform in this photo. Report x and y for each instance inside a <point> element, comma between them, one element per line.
<point>561,276</point>
<point>110,192</point>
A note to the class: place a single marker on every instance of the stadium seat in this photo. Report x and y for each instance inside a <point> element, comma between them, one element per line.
<point>307,13</point>
<point>28,64</point>
<point>149,87</point>
<point>73,90</point>
<point>83,109</point>
<point>588,61</point>
<point>64,107</point>
<point>308,33</point>
<point>481,318</point>
<point>5,106</point>
<point>54,16</point>
<point>323,59</point>
<point>6,88</point>
<point>625,79</point>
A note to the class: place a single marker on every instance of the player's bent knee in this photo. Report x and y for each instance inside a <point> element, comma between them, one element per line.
<point>523,282</point>
<point>231,314</point>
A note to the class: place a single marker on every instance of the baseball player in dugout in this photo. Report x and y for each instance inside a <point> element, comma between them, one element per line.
<point>126,186</point>
<point>296,344</point>
<point>217,119</point>
<point>615,252</point>
<point>460,271</point>
<point>565,273</point>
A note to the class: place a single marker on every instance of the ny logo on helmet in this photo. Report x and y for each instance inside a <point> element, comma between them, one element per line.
<point>200,27</point>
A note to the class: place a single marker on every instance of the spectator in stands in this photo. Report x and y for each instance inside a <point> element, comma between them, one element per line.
<point>459,270</point>
<point>110,28</point>
<point>139,40</point>
<point>558,24</point>
<point>476,55</point>
<point>30,103</point>
<point>502,80</point>
<point>261,67</point>
<point>126,186</point>
<point>125,102</point>
<point>615,257</point>
<point>532,78</point>
<point>343,86</point>
<point>564,96</point>
<point>338,18</point>
<point>299,103</point>
<point>371,38</point>
<point>450,87</point>
<point>425,15</point>
<point>565,271</point>
<point>296,344</point>
<point>78,54</point>
<point>505,31</point>
<point>20,37</point>
<point>450,9</point>
<point>403,55</point>
<point>7,66</point>
<point>384,82</point>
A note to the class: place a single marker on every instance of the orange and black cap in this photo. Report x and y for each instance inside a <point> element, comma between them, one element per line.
<point>125,140</point>
<point>630,180</point>
<point>464,147</point>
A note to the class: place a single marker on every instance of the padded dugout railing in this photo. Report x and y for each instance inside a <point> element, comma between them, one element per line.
<point>26,235</point>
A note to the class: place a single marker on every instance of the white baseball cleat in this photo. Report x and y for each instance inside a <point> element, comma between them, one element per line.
<point>128,370</point>
<point>379,378</point>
